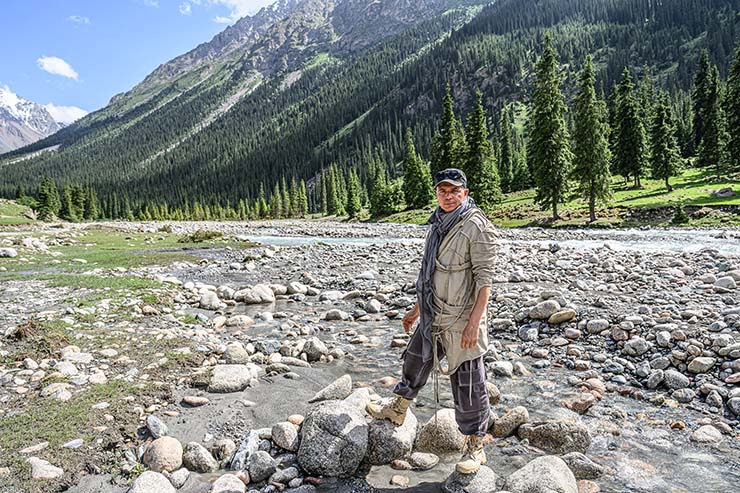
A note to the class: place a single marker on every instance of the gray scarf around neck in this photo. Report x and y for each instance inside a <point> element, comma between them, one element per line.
<point>440,223</point>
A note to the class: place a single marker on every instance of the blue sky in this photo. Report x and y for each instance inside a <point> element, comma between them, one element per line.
<point>77,54</point>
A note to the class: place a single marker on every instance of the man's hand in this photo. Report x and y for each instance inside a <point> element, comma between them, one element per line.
<point>410,318</point>
<point>469,336</point>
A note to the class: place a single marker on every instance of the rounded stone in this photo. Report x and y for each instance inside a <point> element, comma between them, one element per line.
<point>197,458</point>
<point>164,454</point>
<point>152,482</point>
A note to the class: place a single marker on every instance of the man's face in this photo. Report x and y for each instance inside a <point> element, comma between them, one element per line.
<point>449,196</point>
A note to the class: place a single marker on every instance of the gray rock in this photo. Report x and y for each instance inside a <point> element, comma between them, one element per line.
<point>156,427</point>
<point>315,349</point>
<point>228,483</point>
<point>373,306</point>
<point>177,478</point>
<point>209,301</point>
<point>548,474</point>
<point>597,325</point>
<point>707,434</point>
<point>336,314</point>
<point>41,469</point>
<point>284,476</point>
<point>583,467</point>
<point>483,481</point>
<point>440,434</point>
<point>250,444</point>
<point>684,395</point>
<point>232,378</point>
<point>544,310</point>
<point>387,441</point>
<point>725,283</point>
<point>334,439</point>
<point>507,424</point>
<point>261,466</point>
<point>556,437</point>
<point>297,288</point>
<point>421,461</point>
<point>337,390</point>
<point>163,454</point>
<point>197,458</point>
<point>285,436</point>
<point>502,369</point>
<point>655,378</point>
<point>701,364</point>
<point>8,252</point>
<point>235,354</point>
<point>734,405</point>
<point>675,380</point>
<point>151,482</point>
<point>636,346</point>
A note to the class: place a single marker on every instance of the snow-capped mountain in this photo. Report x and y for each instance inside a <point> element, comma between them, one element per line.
<point>22,121</point>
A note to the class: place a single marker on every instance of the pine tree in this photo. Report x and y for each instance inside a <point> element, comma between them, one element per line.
<point>417,181</point>
<point>732,112</point>
<point>302,200</point>
<point>447,147</point>
<point>548,147</point>
<point>711,149</point>
<point>49,203</point>
<point>294,197</point>
<point>506,157</point>
<point>67,211</point>
<point>480,167</point>
<point>591,154</point>
<point>324,192</point>
<point>334,205</point>
<point>287,210</point>
<point>353,195</point>
<point>276,202</point>
<point>91,204</point>
<point>699,96</point>
<point>262,209</point>
<point>664,155</point>
<point>629,152</point>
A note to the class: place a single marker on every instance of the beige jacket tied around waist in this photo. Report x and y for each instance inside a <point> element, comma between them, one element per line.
<point>464,264</point>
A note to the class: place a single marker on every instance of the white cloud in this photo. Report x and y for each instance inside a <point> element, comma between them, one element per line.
<point>152,3</point>
<point>65,114</point>
<point>238,9</point>
<point>79,19</point>
<point>185,8</point>
<point>57,66</point>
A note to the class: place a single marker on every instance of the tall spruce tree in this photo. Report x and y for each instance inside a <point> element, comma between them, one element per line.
<point>417,181</point>
<point>302,200</point>
<point>354,206</point>
<point>506,158</point>
<point>711,149</point>
<point>732,112</point>
<point>49,203</point>
<point>448,143</point>
<point>334,206</point>
<point>324,194</point>
<point>665,160</point>
<point>629,152</point>
<point>480,166</point>
<point>699,97</point>
<point>591,155</point>
<point>548,148</point>
<point>67,211</point>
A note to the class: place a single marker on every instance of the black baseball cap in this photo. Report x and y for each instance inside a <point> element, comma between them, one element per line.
<point>453,176</point>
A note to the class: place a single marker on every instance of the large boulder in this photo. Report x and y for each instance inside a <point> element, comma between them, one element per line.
<point>228,483</point>
<point>163,454</point>
<point>334,440</point>
<point>440,434</point>
<point>507,424</point>
<point>232,378</point>
<point>339,389</point>
<point>544,310</point>
<point>152,482</point>
<point>261,466</point>
<point>548,474</point>
<point>556,437</point>
<point>483,481</point>
<point>209,301</point>
<point>387,441</point>
<point>285,436</point>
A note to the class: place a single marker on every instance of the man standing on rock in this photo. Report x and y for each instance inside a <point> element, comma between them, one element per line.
<point>452,291</point>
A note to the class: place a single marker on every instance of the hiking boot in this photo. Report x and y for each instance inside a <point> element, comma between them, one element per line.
<point>473,455</point>
<point>394,411</point>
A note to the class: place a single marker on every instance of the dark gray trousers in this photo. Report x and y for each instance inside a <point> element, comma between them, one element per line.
<point>472,408</point>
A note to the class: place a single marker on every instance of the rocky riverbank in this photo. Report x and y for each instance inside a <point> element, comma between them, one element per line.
<point>610,367</point>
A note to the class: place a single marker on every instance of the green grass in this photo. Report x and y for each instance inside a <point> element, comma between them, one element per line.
<point>38,339</point>
<point>12,214</point>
